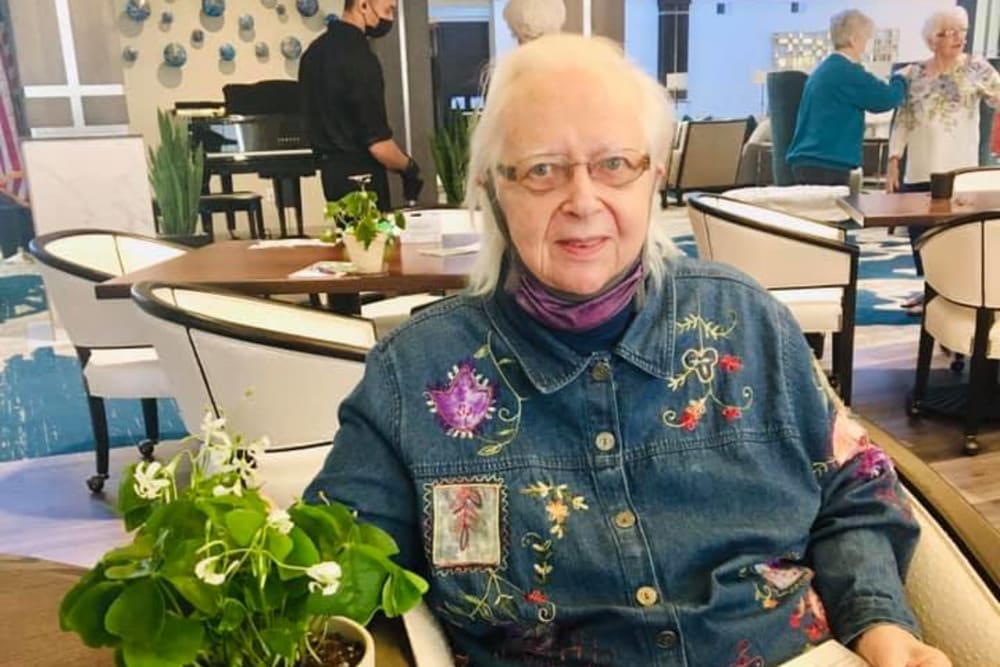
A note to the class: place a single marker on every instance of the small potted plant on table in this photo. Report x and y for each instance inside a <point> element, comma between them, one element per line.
<point>216,576</point>
<point>176,169</point>
<point>365,231</point>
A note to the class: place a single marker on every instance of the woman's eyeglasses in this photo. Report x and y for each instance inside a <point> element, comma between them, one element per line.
<point>543,173</point>
<point>951,33</point>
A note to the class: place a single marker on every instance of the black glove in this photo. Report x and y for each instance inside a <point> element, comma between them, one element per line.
<point>412,183</point>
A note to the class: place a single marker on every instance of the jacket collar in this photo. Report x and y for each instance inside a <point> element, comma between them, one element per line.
<point>550,365</point>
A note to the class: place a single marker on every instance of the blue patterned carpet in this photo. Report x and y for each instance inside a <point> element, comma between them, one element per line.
<point>43,407</point>
<point>886,276</point>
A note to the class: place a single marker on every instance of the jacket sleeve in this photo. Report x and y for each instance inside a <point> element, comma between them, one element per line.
<point>871,93</point>
<point>864,534</point>
<point>365,469</point>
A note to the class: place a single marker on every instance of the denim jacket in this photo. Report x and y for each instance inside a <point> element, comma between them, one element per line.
<point>691,497</point>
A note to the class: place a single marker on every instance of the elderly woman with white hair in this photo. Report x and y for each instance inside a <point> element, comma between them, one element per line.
<point>530,19</point>
<point>938,124</point>
<point>605,453</point>
<point>830,126</point>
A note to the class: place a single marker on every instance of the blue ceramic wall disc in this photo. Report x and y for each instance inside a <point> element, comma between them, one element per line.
<point>213,7</point>
<point>291,48</point>
<point>174,55</point>
<point>137,10</point>
<point>307,7</point>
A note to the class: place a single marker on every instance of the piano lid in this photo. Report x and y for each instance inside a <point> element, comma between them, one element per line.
<point>265,133</point>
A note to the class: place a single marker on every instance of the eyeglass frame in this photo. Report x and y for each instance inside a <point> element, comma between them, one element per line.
<point>952,32</point>
<point>509,171</point>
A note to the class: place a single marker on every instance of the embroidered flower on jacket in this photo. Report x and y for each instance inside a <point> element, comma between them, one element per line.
<point>731,413</point>
<point>873,462</point>
<point>730,363</point>
<point>692,414</point>
<point>536,596</point>
<point>465,403</point>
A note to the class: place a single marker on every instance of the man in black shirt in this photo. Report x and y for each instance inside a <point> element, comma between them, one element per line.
<point>344,102</point>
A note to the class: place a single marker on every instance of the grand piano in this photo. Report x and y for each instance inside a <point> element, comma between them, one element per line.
<point>257,129</point>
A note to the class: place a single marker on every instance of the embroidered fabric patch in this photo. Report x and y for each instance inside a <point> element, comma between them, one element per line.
<point>464,403</point>
<point>466,524</point>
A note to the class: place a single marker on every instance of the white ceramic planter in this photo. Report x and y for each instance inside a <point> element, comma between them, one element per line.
<point>368,260</point>
<point>355,632</point>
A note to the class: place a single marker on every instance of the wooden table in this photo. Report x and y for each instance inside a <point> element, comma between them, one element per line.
<point>30,592</point>
<point>236,266</point>
<point>878,209</point>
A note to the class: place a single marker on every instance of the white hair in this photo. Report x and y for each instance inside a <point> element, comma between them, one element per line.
<point>849,25</point>
<point>935,21</point>
<point>551,55</point>
<point>530,19</point>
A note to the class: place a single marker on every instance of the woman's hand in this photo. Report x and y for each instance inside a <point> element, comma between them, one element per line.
<point>892,175</point>
<point>887,645</point>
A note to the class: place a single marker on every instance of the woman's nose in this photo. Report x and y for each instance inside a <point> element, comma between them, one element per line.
<point>582,197</point>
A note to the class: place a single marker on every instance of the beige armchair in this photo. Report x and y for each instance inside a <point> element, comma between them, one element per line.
<point>706,156</point>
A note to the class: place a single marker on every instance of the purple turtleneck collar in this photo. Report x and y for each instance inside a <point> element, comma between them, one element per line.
<point>576,315</point>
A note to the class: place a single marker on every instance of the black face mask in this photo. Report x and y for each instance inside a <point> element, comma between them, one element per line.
<point>380,29</point>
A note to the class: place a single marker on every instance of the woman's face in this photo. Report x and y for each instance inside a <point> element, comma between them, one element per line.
<point>949,40</point>
<point>574,180</point>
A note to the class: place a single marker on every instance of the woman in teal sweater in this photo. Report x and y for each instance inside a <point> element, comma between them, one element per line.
<point>830,126</point>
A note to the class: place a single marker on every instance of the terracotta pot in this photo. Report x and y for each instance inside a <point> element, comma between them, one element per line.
<point>368,260</point>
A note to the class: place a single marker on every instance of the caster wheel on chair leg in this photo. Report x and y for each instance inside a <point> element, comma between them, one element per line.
<point>971,447</point>
<point>914,408</point>
<point>957,366</point>
<point>146,448</point>
<point>96,483</point>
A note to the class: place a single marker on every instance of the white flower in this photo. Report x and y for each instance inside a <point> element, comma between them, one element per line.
<point>280,520</point>
<point>208,570</point>
<point>235,490</point>
<point>151,479</point>
<point>325,577</point>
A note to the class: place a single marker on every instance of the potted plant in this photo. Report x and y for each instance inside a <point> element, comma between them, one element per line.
<point>176,169</point>
<point>365,231</point>
<point>216,576</point>
<point>450,148</point>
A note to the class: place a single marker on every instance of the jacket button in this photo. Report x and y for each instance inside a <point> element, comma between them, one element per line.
<point>666,639</point>
<point>601,372</point>
<point>605,441</point>
<point>625,519</point>
<point>647,596</point>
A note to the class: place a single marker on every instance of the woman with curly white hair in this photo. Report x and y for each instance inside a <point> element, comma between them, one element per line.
<point>938,122</point>
<point>530,19</point>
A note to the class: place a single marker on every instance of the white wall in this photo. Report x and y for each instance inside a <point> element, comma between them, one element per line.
<point>725,50</point>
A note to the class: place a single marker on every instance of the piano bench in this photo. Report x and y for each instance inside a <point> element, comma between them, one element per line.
<point>230,203</point>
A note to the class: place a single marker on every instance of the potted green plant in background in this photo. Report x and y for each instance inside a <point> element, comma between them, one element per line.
<point>216,576</point>
<point>365,231</point>
<point>450,148</point>
<point>176,169</point>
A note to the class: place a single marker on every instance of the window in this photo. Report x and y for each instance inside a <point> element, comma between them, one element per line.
<point>673,18</point>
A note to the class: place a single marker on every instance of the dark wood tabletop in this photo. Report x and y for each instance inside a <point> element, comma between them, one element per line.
<point>30,593</point>
<point>235,265</point>
<point>879,209</point>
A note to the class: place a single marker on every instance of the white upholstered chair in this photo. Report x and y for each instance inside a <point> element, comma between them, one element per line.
<point>269,367</point>
<point>975,179</point>
<point>117,360</point>
<point>961,306</point>
<point>805,264</point>
<point>954,578</point>
<point>706,156</point>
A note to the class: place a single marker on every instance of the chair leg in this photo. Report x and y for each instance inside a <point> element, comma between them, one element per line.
<point>979,382</point>
<point>843,363</point>
<point>924,352</point>
<point>151,420</point>
<point>99,424</point>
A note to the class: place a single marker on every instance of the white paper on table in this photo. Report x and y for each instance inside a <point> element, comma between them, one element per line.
<point>287,243</point>
<point>450,252</point>
<point>421,227</point>
<point>830,653</point>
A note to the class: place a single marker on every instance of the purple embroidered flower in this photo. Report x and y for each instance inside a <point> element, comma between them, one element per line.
<point>872,463</point>
<point>465,403</point>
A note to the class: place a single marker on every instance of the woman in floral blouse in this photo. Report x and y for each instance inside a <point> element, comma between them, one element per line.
<point>938,123</point>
